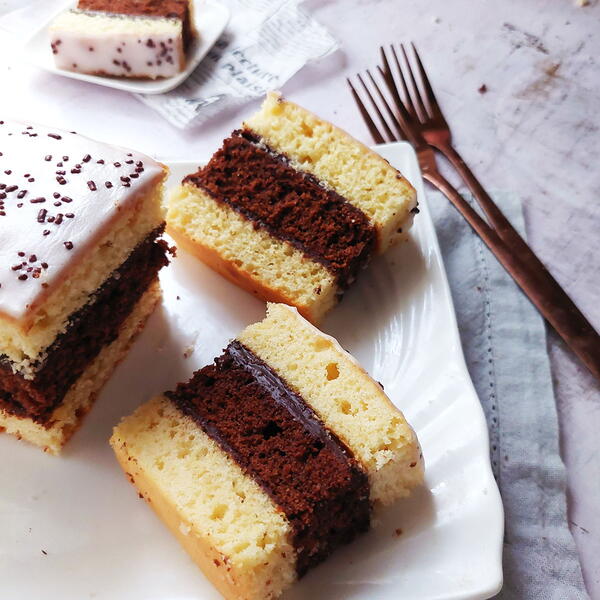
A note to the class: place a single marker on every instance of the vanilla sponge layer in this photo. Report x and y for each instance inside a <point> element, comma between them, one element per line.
<point>67,417</point>
<point>358,174</point>
<point>24,342</point>
<point>347,400</point>
<point>223,519</point>
<point>270,268</point>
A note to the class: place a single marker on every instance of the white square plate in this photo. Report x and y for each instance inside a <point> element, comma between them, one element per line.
<point>74,528</point>
<point>210,17</point>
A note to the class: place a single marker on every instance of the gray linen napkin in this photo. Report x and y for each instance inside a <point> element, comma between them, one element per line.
<point>504,340</point>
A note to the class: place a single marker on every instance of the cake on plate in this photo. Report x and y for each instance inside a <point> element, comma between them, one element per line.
<point>80,227</point>
<point>266,461</point>
<point>143,39</point>
<point>291,208</point>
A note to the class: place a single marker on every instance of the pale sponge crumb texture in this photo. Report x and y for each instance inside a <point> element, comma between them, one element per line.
<point>358,174</point>
<point>24,343</point>
<point>79,399</point>
<point>348,401</point>
<point>251,258</point>
<point>223,519</point>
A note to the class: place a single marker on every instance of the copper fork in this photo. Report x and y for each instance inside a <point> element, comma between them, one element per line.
<point>413,120</point>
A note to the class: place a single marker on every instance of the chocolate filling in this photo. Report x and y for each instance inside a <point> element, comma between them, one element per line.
<point>92,327</point>
<point>276,438</point>
<point>172,9</point>
<point>291,205</point>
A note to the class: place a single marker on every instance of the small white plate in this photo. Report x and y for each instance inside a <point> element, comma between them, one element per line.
<point>211,18</point>
<point>74,528</point>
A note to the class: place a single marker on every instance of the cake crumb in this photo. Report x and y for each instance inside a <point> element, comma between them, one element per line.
<point>188,351</point>
<point>185,529</point>
<point>582,3</point>
<point>398,532</point>
<point>482,89</point>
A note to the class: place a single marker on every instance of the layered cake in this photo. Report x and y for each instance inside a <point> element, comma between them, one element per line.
<point>144,39</point>
<point>291,208</point>
<point>80,226</point>
<point>272,457</point>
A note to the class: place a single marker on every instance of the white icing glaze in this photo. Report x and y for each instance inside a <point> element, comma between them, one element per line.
<point>33,168</point>
<point>117,45</point>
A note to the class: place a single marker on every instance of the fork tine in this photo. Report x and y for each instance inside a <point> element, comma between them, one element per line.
<point>404,122</point>
<point>389,78</point>
<point>391,136</point>
<point>420,106</point>
<point>390,113</point>
<point>409,104</point>
<point>379,139</point>
<point>434,107</point>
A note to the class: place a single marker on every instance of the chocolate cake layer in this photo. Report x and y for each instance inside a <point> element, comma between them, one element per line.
<point>277,439</point>
<point>171,9</point>
<point>90,329</point>
<point>291,205</point>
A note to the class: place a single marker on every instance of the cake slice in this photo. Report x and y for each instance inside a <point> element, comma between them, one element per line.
<point>80,251</point>
<point>291,208</point>
<point>143,39</point>
<point>272,457</point>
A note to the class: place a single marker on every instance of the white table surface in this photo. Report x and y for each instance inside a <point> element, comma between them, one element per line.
<point>535,131</point>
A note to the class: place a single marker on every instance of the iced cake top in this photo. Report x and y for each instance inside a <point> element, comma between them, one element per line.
<point>59,193</point>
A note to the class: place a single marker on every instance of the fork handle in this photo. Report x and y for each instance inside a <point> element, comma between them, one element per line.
<point>557,308</point>
<point>549,287</point>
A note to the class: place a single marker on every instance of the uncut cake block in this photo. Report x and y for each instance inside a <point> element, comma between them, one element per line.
<point>144,39</point>
<point>80,227</point>
<point>291,208</point>
<point>272,457</point>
